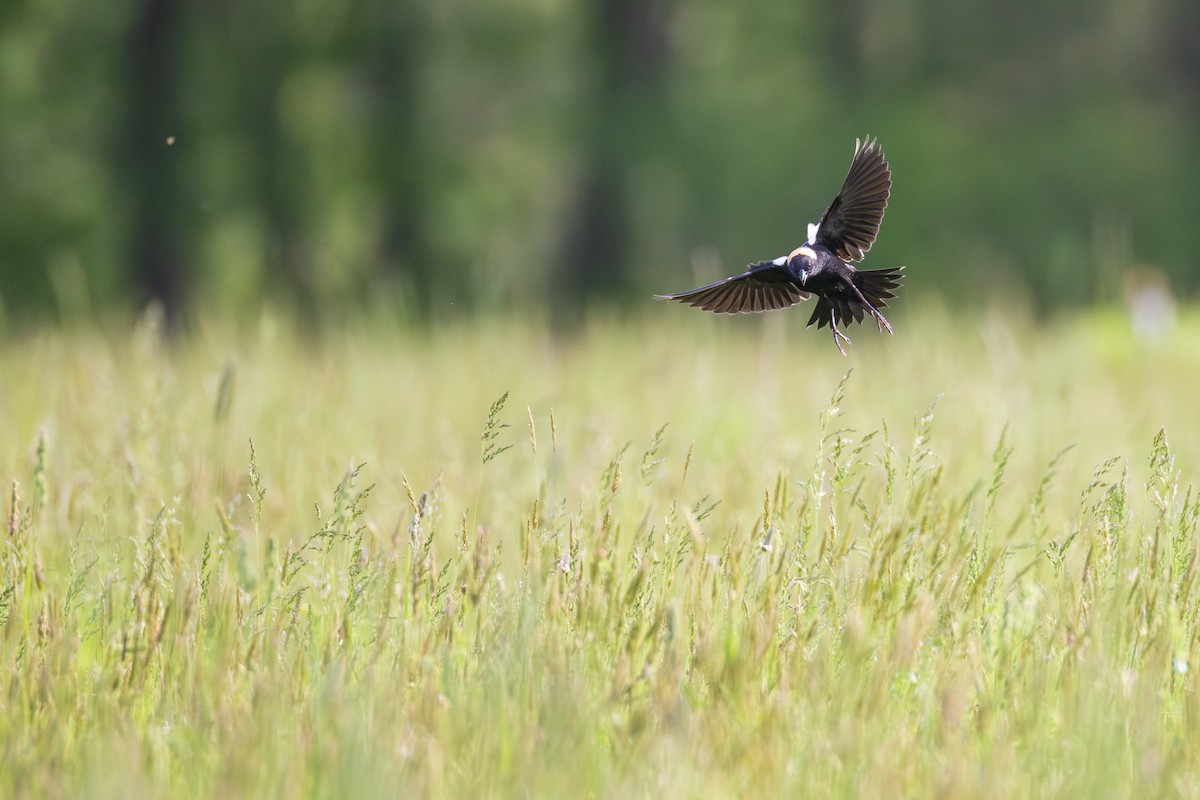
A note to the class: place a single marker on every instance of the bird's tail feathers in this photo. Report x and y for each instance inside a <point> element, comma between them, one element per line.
<point>879,285</point>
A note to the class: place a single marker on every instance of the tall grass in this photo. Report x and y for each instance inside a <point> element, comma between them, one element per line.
<point>684,558</point>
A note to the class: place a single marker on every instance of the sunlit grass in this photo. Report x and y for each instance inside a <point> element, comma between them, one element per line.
<point>679,556</point>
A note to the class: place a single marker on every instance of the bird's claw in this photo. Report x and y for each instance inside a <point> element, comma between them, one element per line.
<point>838,338</point>
<point>883,323</point>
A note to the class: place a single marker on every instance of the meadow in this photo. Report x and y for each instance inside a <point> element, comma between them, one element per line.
<point>660,556</point>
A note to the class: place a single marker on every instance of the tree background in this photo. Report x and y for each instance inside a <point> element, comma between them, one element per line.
<point>443,157</point>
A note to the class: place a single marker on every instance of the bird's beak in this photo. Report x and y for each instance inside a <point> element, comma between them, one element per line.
<point>803,277</point>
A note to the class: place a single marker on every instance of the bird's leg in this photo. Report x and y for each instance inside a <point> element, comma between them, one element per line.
<point>838,336</point>
<point>879,319</point>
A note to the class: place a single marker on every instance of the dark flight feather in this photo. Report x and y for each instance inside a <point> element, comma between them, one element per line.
<point>766,286</point>
<point>851,223</point>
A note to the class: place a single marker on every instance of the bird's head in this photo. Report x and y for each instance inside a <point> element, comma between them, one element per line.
<point>802,260</point>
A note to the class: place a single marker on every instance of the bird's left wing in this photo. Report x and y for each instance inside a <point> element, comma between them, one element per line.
<point>849,226</point>
<point>766,286</point>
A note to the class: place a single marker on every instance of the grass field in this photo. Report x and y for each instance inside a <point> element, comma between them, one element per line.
<point>679,556</point>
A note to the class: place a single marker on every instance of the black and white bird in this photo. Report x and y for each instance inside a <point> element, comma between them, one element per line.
<point>821,266</point>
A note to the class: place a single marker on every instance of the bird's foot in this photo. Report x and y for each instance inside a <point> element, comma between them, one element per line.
<point>839,337</point>
<point>879,318</point>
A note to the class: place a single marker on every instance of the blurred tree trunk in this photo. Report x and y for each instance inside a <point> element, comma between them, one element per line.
<point>629,40</point>
<point>283,196</point>
<point>1182,59</point>
<point>394,65</point>
<point>149,127</point>
<point>268,51</point>
<point>844,53</point>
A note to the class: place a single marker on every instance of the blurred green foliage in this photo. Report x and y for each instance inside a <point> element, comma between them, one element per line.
<point>451,156</point>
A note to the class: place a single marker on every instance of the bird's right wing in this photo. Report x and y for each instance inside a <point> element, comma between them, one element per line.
<point>849,226</point>
<point>766,286</point>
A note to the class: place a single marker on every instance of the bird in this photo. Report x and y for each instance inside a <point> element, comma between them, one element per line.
<point>822,265</point>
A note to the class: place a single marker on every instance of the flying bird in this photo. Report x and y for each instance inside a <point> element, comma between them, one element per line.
<point>821,266</point>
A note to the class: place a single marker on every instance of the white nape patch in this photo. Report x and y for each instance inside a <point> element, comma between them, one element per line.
<point>805,251</point>
<point>779,262</point>
<point>812,233</point>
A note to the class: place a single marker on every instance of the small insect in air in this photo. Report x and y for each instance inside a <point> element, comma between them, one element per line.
<point>822,265</point>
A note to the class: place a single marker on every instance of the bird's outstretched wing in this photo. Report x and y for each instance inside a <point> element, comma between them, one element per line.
<point>766,286</point>
<point>849,226</point>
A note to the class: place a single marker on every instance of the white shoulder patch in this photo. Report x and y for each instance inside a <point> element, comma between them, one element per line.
<point>812,233</point>
<point>779,262</point>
